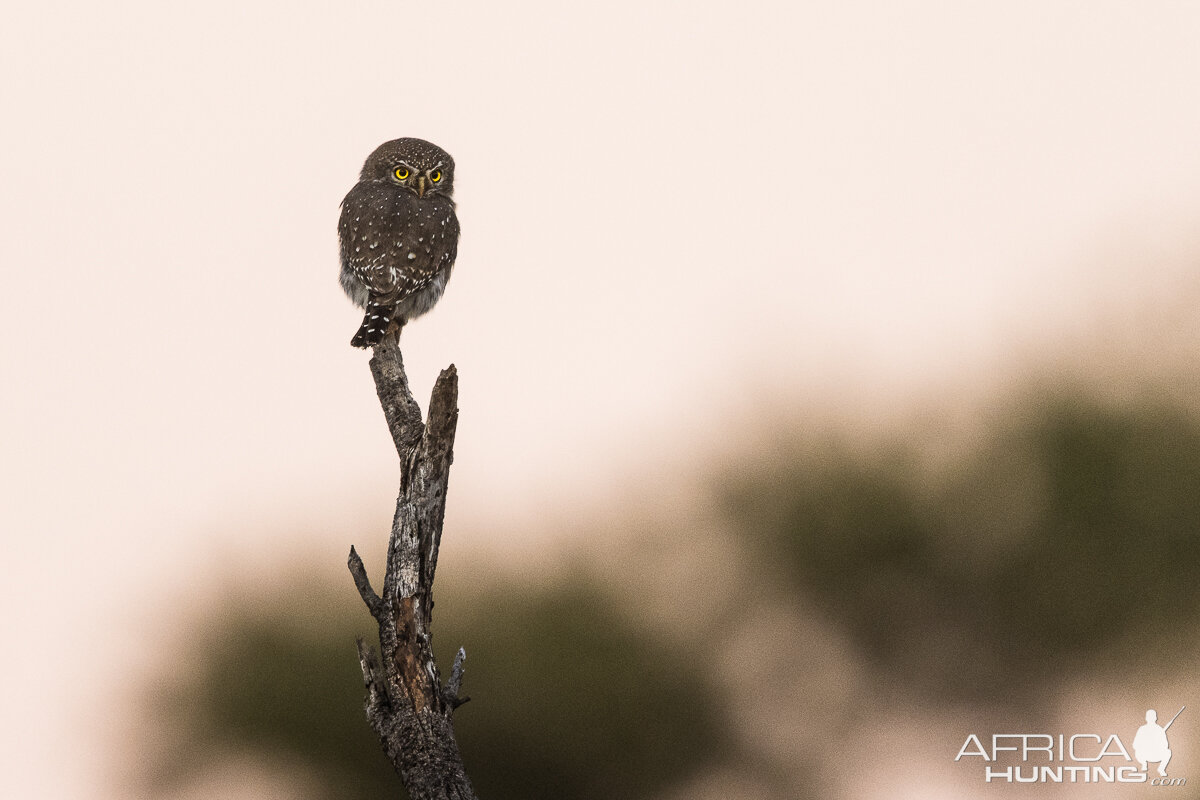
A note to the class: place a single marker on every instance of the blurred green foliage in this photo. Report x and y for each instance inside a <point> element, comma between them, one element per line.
<point>571,699</point>
<point>279,680</point>
<point>1070,534</point>
<point>1065,537</point>
<point>579,703</point>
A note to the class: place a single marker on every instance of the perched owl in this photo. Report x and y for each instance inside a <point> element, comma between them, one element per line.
<point>399,235</point>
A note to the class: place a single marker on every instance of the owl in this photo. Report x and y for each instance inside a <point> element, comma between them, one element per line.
<point>399,235</point>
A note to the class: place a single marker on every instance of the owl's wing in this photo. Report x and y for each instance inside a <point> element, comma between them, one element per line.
<point>428,247</point>
<point>443,242</point>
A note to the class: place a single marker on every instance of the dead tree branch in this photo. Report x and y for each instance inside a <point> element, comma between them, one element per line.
<point>406,703</point>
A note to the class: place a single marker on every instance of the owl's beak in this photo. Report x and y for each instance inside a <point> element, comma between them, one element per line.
<point>421,186</point>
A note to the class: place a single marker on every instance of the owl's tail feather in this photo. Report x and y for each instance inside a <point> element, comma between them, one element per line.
<point>374,325</point>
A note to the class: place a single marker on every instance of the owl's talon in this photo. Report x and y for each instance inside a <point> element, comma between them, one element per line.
<point>394,330</point>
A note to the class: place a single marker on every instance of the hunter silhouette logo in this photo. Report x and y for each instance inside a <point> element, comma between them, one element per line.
<point>1074,758</point>
<point>1150,742</point>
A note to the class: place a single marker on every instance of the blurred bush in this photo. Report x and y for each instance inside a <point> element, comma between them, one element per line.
<point>1069,535</point>
<point>571,699</point>
<point>579,702</point>
<point>1065,537</point>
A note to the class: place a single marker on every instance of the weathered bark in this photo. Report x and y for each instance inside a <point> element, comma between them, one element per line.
<point>406,703</point>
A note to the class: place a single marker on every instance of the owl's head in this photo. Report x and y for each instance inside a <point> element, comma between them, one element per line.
<point>414,164</point>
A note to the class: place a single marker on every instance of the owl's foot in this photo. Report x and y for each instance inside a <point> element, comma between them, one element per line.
<point>395,328</point>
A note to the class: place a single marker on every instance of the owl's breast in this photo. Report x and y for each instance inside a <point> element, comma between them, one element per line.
<point>396,243</point>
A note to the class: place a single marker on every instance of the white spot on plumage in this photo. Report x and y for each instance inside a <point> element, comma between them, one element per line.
<point>411,256</point>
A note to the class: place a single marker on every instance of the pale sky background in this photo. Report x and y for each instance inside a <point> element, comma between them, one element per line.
<point>667,208</point>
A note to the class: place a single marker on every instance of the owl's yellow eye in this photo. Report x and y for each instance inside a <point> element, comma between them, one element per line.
<point>435,176</point>
<point>402,173</point>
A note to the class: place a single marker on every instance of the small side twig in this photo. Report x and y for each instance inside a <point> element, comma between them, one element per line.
<point>374,604</point>
<point>454,686</point>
